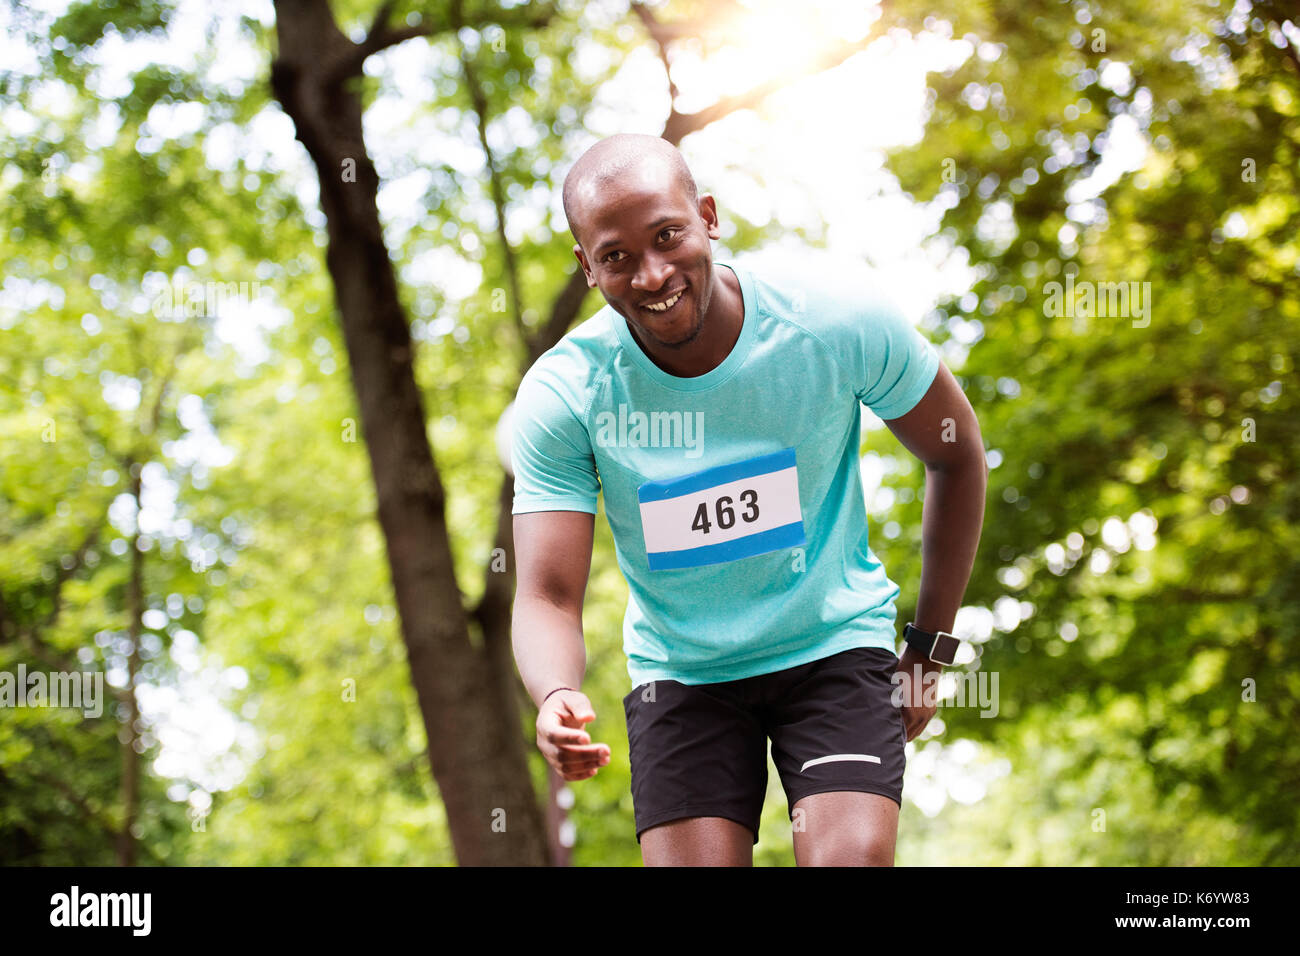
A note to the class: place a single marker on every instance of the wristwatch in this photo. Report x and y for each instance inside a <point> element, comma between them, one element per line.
<point>940,647</point>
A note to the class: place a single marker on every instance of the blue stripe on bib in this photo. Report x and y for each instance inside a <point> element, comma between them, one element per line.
<point>679,514</point>
<point>720,474</point>
<point>787,536</point>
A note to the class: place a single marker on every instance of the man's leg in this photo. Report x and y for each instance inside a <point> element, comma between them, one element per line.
<point>839,745</point>
<point>845,828</point>
<point>699,772</point>
<point>698,841</point>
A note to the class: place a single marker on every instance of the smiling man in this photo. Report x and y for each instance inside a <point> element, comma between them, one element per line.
<point>757,610</point>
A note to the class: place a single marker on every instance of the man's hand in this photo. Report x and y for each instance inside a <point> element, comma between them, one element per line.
<point>919,698</point>
<point>561,739</point>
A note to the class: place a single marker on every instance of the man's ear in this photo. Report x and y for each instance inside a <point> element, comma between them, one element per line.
<point>582,261</point>
<point>709,213</point>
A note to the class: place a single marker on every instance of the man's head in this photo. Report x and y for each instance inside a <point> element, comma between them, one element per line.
<point>643,234</point>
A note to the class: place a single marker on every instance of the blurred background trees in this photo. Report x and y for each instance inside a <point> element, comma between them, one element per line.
<point>186,494</point>
<point>1143,514</point>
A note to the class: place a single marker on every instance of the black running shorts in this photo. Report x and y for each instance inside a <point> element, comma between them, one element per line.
<point>701,750</point>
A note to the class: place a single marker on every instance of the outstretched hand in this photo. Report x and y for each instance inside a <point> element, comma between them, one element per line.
<point>562,740</point>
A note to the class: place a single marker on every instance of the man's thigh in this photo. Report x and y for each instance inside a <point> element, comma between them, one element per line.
<point>838,743</point>
<point>699,767</point>
<point>698,841</point>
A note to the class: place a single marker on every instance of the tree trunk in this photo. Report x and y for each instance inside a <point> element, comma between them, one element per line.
<point>453,681</point>
<point>476,749</point>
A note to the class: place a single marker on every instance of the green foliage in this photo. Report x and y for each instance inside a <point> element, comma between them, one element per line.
<point>1189,422</point>
<point>1121,690</point>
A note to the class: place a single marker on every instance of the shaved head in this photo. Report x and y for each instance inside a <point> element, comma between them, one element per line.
<point>615,157</point>
<point>644,237</point>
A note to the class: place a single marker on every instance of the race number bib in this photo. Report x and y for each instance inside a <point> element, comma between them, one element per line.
<point>723,513</point>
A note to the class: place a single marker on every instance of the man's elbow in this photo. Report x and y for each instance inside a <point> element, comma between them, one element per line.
<point>964,462</point>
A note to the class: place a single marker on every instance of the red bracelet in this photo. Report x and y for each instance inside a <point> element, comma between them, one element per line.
<point>558,688</point>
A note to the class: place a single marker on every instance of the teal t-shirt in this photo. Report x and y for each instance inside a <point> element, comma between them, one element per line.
<point>735,497</point>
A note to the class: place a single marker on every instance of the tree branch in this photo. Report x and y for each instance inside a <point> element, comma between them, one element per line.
<point>564,310</point>
<point>680,125</point>
<point>719,14</point>
<point>382,35</point>
<point>662,35</point>
<point>480,106</point>
<point>379,37</point>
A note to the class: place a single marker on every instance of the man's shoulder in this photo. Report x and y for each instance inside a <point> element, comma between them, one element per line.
<point>578,360</point>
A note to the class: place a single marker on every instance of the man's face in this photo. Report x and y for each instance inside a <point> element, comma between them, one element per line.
<point>646,244</point>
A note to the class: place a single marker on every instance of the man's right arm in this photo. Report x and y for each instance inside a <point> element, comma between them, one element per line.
<point>553,558</point>
<point>556,489</point>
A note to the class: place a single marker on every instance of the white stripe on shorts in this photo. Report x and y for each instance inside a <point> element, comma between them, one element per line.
<point>864,758</point>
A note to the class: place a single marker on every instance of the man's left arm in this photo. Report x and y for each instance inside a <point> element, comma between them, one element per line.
<point>942,431</point>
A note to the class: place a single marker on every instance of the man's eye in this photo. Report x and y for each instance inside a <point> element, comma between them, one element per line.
<point>671,229</point>
<point>610,257</point>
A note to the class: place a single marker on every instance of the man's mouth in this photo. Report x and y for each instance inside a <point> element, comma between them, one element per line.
<point>664,305</point>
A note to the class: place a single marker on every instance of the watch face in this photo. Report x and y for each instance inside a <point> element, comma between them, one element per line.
<point>945,648</point>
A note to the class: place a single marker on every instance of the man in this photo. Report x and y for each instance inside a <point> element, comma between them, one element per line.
<point>718,410</point>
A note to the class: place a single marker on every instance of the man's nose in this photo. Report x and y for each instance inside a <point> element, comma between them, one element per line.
<point>652,273</point>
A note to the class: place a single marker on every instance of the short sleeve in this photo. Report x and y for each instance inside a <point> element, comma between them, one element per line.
<point>894,364</point>
<point>550,453</point>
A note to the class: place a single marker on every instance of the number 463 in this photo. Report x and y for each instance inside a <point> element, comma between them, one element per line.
<point>723,513</point>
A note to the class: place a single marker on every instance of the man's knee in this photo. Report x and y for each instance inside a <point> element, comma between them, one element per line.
<point>852,849</point>
<point>845,828</point>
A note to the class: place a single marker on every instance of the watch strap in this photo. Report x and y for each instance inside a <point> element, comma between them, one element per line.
<point>938,646</point>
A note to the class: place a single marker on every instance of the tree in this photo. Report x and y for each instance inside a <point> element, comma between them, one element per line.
<point>313,78</point>
<point>1140,545</point>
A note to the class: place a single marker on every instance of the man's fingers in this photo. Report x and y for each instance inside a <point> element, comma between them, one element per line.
<point>909,723</point>
<point>574,766</point>
<point>589,752</point>
<point>580,763</point>
<point>582,713</point>
<point>914,722</point>
<point>566,736</point>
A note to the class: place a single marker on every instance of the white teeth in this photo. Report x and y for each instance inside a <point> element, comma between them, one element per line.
<point>666,304</point>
